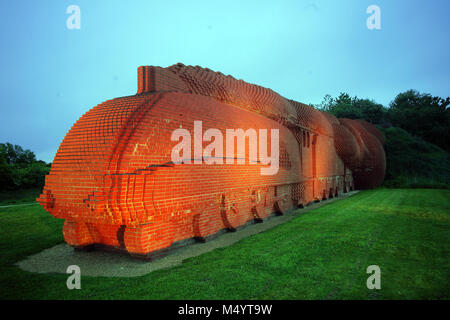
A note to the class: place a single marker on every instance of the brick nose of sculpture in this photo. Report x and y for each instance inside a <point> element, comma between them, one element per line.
<point>76,197</point>
<point>46,199</point>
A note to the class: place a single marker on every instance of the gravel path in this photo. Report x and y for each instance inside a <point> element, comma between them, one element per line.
<point>105,264</point>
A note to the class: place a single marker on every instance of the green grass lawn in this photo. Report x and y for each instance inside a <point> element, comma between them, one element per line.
<point>322,254</point>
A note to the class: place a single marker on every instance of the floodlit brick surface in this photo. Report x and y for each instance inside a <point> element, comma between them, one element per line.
<point>114,183</point>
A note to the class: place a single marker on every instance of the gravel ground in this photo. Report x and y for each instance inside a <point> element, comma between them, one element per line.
<point>106,264</point>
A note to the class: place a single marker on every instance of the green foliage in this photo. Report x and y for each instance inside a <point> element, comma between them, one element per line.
<point>422,115</point>
<point>345,106</point>
<point>417,146</point>
<point>19,168</point>
<point>14,154</point>
<point>23,196</point>
<point>418,113</point>
<point>413,162</point>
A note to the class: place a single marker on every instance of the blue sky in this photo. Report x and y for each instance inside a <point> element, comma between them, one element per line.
<point>301,49</point>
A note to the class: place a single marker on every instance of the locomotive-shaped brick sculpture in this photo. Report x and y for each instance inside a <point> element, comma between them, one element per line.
<point>116,185</point>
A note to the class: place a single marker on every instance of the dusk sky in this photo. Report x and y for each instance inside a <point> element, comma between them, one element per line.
<point>52,75</point>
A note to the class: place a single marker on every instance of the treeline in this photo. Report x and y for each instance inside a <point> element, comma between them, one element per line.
<point>19,168</point>
<point>416,128</point>
<point>420,114</point>
<point>413,162</point>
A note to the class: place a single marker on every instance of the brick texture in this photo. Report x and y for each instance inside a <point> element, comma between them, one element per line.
<point>114,183</point>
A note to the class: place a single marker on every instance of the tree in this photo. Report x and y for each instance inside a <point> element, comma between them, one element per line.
<point>345,106</point>
<point>19,168</point>
<point>14,154</point>
<point>371,111</point>
<point>422,115</point>
<point>6,179</point>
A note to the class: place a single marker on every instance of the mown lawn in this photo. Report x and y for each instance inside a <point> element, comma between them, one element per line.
<point>322,254</point>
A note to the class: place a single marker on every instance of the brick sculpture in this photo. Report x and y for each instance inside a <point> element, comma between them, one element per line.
<point>115,184</point>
